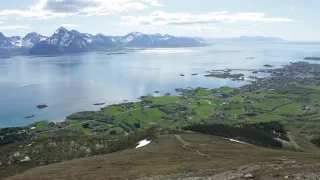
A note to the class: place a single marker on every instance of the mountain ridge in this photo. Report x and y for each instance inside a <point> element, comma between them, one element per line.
<point>64,41</point>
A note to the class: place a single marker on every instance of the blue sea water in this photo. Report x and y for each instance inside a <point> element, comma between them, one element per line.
<point>74,83</point>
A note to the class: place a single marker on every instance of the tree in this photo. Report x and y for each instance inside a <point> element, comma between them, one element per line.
<point>137,125</point>
<point>86,125</point>
<point>113,132</point>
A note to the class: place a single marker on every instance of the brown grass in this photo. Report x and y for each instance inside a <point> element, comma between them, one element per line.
<point>167,156</point>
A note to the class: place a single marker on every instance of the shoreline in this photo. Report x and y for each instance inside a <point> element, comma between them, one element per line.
<point>177,90</point>
<point>248,79</point>
<point>250,83</point>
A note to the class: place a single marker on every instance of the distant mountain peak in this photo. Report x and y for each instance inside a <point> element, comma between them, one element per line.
<point>2,35</point>
<point>136,33</point>
<point>60,30</point>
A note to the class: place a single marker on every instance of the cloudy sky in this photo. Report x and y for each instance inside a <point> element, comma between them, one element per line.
<point>288,19</point>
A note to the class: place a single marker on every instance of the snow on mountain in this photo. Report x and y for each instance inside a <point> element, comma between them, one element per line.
<point>156,40</point>
<point>65,41</point>
<point>16,42</point>
<point>5,42</point>
<point>32,38</point>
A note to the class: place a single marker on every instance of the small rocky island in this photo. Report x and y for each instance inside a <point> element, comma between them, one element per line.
<point>225,75</point>
<point>99,104</point>
<point>312,58</point>
<point>268,65</point>
<point>29,117</point>
<point>42,106</point>
<point>5,57</point>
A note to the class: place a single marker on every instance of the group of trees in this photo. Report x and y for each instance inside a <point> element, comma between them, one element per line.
<point>92,115</point>
<point>261,134</point>
<point>177,111</point>
<point>12,135</point>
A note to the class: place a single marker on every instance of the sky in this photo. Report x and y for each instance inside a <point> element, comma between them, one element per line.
<point>288,19</point>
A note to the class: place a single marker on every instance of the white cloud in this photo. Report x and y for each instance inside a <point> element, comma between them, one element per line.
<point>12,27</point>
<point>1,22</point>
<point>153,2</point>
<point>69,25</point>
<point>45,9</point>
<point>164,18</point>
<point>201,28</point>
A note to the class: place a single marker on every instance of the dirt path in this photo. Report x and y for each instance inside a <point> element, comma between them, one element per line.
<point>185,145</point>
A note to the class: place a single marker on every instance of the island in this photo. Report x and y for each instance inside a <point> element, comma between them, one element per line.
<point>28,117</point>
<point>5,57</point>
<point>42,106</point>
<point>268,65</point>
<point>225,75</point>
<point>312,58</point>
<point>99,104</point>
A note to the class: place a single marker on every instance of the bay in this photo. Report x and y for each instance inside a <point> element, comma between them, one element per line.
<point>72,83</point>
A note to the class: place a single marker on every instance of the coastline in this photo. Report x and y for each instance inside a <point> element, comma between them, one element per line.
<point>285,117</point>
<point>248,79</point>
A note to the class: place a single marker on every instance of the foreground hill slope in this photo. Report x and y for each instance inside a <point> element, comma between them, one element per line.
<point>185,156</point>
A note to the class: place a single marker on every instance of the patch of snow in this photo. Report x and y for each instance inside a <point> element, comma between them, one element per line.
<point>233,140</point>
<point>33,128</point>
<point>143,143</point>
<point>26,159</point>
<point>164,38</point>
<point>65,38</point>
<point>89,40</point>
<point>43,38</point>
<point>137,33</point>
<point>128,39</point>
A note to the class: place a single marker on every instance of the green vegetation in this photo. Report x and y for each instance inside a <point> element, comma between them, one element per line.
<point>59,147</point>
<point>261,134</point>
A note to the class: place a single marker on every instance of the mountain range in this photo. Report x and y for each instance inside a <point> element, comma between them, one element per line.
<point>258,39</point>
<point>65,41</point>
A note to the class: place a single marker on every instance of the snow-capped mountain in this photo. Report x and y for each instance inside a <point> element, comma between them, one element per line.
<point>5,43</point>
<point>156,40</point>
<point>65,41</point>
<point>33,38</point>
<point>71,41</point>
<point>28,41</point>
<point>16,43</point>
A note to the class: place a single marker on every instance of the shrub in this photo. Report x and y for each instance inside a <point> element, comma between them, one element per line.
<point>113,132</point>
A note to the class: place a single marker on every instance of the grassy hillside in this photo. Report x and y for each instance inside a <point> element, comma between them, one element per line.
<point>184,156</point>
